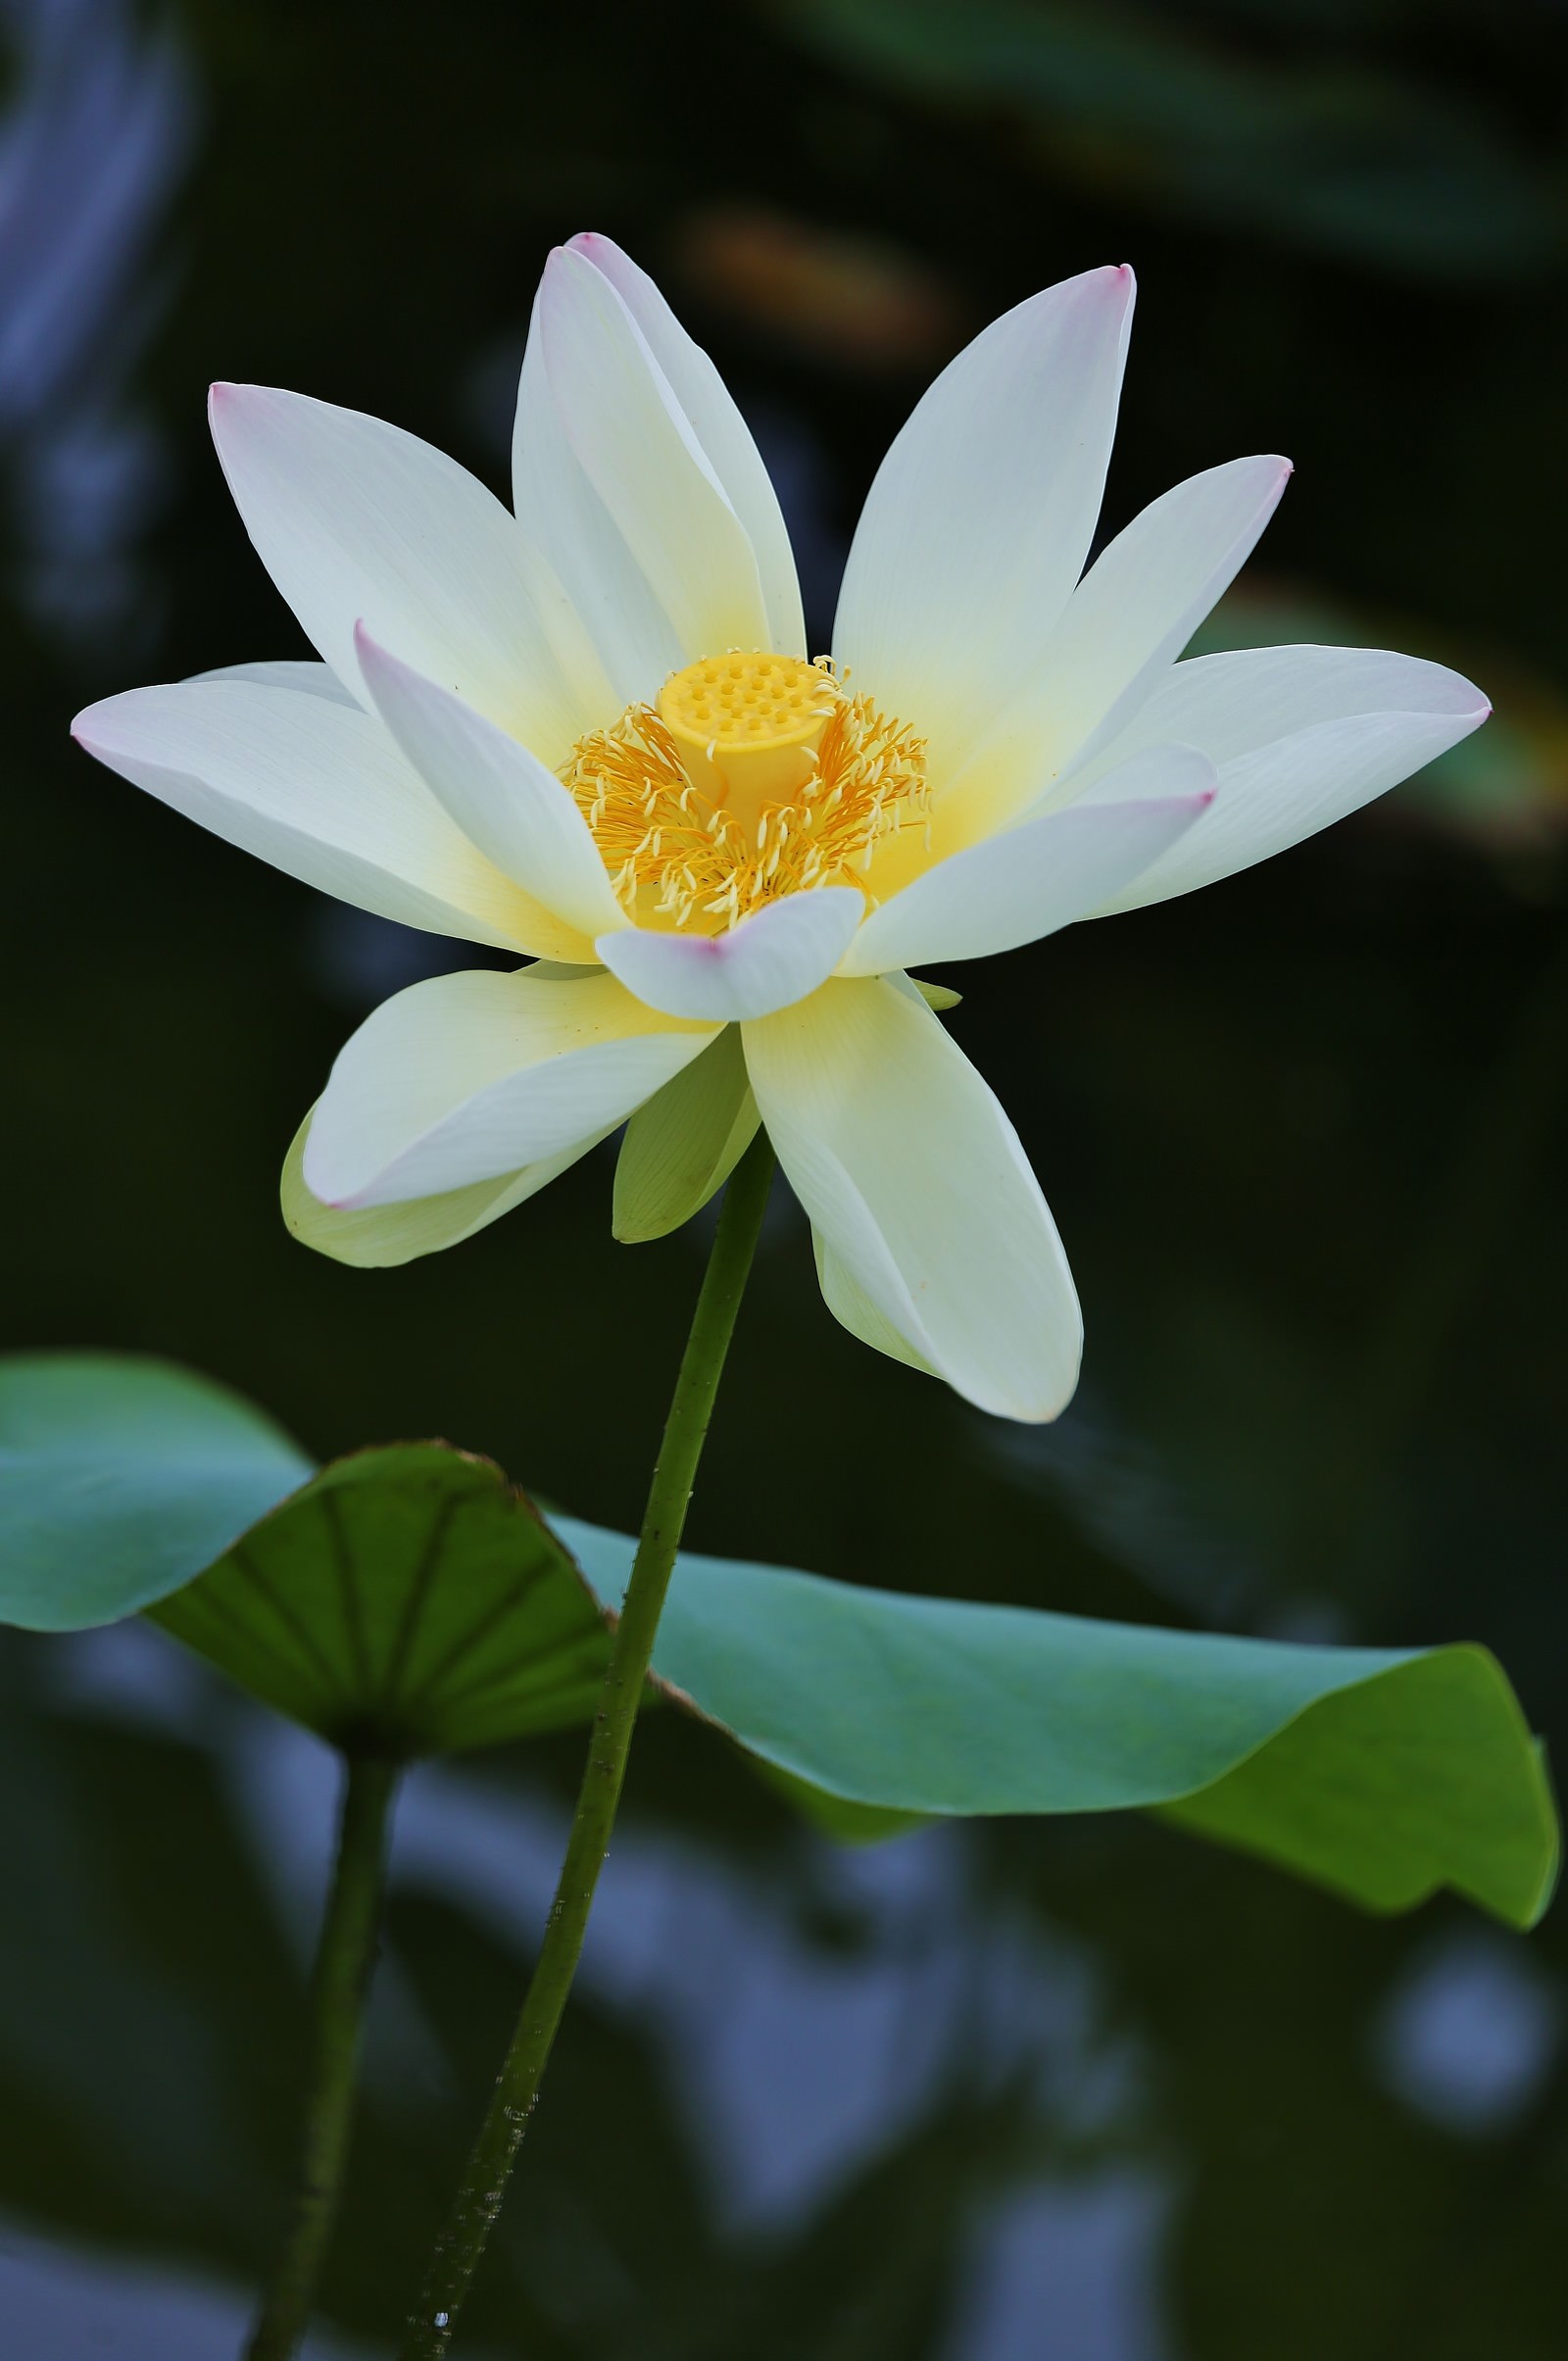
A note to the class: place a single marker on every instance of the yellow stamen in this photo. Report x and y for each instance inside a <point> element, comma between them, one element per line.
<point>756,776</point>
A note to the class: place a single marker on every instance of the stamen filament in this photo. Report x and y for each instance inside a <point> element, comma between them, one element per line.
<point>674,853</point>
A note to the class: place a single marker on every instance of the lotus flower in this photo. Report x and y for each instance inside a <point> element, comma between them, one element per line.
<point>591,733</point>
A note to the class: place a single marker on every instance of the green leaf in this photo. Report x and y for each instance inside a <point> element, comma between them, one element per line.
<point>1386,1789</point>
<point>681,1147</point>
<point>120,1478</point>
<point>407,1601</point>
<point>1385,1775</point>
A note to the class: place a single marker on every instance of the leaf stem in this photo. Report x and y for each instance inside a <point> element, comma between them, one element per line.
<point>479,2195</point>
<point>344,1959</point>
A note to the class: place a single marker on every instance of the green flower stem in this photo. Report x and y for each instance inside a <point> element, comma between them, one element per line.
<point>343,1962</point>
<point>483,2185</point>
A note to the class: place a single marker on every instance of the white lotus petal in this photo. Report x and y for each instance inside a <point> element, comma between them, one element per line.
<point>354,518</point>
<point>319,789</point>
<point>1234,703</point>
<point>1272,798</point>
<point>500,795</point>
<point>1029,880</point>
<point>778,955</point>
<point>562,516</point>
<point>469,1077</point>
<point>1124,625</point>
<point>1145,595</point>
<point>1300,737</point>
<point>637,448</point>
<point>720,430</point>
<point>981,514</point>
<point>379,1237</point>
<point>286,672</point>
<point>917,1183</point>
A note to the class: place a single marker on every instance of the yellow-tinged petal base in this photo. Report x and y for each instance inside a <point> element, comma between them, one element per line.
<point>754,776</point>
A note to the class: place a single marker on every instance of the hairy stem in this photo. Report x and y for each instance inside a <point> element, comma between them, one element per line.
<point>484,2181</point>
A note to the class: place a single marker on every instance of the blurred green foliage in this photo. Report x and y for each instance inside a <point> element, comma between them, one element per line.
<point>1316,141</point>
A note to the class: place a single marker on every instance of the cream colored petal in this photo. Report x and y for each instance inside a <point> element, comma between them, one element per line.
<point>981,516</point>
<point>1300,737</point>
<point>915,1179</point>
<point>1029,880</point>
<point>1240,702</point>
<point>319,789</point>
<point>779,953</point>
<point>683,1142</point>
<point>469,1077</point>
<point>1124,626</point>
<point>720,428</point>
<point>636,446</point>
<point>563,518</point>
<point>354,519</point>
<point>500,795</point>
<point>379,1237</point>
<point>306,680</point>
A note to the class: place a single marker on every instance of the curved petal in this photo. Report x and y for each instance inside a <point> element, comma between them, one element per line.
<point>561,517</point>
<point>469,1077</point>
<point>286,672</point>
<point>1234,703</point>
<point>981,514</point>
<point>915,1179</point>
<point>1124,625</point>
<point>379,1237</point>
<point>1299,737</point>
<point>636,446</point>
<point>353,517</point>
<point>778,955</point>
<point>1029,880</point>
<point>318,788</point>
<point>499,794</point>
<point>720,428</point>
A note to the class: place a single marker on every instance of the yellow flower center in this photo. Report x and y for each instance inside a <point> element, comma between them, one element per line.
<point>753,776</point>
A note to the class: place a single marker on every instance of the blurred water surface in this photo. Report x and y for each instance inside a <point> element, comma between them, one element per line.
<point>1082,2093</point>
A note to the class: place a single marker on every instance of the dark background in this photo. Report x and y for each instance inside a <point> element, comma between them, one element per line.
<point>1085,2091</point>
